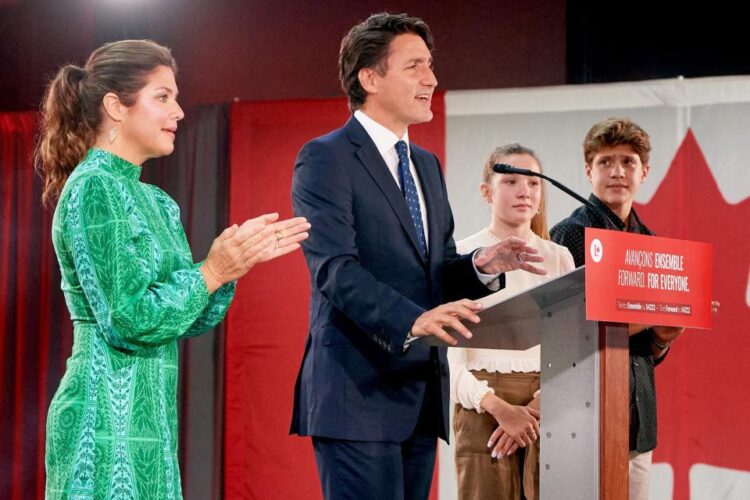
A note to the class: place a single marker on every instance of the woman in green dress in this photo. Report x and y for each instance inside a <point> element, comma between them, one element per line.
<point>127,273</point>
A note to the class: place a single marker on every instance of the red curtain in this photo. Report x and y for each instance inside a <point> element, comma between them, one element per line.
<point>35,335</point>
<point>267,324</point>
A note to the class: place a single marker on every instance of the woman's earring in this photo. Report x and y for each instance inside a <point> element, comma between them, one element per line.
<point>113,134</point>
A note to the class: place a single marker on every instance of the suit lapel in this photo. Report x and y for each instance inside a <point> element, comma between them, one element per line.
<point>373,162</point>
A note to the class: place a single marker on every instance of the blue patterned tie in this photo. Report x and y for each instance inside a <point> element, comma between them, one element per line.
<point>409,190</point>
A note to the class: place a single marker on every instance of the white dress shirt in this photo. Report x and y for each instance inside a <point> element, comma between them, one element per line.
<point>385,141</point>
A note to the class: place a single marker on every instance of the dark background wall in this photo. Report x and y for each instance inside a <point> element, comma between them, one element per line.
<point>642,40</point>
<point>276,49</point>
<point>280,49</point>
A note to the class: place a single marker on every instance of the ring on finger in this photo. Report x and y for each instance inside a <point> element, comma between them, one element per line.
<point>520,257</point>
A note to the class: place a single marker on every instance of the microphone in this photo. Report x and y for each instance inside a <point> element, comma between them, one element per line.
<point>502,168</point>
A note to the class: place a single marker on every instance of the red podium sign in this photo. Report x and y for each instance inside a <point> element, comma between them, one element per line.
<point>633,278</point>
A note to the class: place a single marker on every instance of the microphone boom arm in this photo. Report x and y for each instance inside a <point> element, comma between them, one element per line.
<point>502,168</point>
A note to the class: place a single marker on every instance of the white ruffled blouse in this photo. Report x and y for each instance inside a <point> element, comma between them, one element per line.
<point>466,389</point>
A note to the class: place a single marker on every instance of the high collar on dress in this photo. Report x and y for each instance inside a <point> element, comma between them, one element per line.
<point>114,164</point>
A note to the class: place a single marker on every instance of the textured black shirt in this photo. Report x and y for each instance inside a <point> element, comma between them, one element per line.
<point>570,233</point>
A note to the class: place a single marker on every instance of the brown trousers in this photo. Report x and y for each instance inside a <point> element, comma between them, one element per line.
<point>479,475</point>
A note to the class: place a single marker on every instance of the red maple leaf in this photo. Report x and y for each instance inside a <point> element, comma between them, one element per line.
<point>703,390</point>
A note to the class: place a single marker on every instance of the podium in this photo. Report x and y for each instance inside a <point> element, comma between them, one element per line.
<point>585,385</point>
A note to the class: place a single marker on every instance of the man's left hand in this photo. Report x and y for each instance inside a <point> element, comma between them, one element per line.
<point>508,255</point>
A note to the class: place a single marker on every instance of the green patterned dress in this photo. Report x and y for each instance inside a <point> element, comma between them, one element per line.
<point>132,290</point>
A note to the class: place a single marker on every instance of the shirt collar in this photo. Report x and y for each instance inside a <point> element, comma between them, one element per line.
<point>634,222</point>
<point>384,139</point>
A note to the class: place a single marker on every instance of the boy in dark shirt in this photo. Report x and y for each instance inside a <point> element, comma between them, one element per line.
<point>616,152</point>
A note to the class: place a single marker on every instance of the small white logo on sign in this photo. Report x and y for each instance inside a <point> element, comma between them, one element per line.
<point>597,250</point>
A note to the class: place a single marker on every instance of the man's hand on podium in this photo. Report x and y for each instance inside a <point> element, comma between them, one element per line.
<point>435,321</point>
<point>517,425</point>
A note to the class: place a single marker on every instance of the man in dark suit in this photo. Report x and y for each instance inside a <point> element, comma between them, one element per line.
<point>382,262</point>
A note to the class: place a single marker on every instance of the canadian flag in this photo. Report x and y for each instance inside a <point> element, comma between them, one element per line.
<point>697,189</point>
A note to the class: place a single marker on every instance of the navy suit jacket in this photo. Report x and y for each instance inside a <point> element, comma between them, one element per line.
<point>368,286</point>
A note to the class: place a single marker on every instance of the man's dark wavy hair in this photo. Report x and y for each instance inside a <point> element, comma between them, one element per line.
<point>366,46</point>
